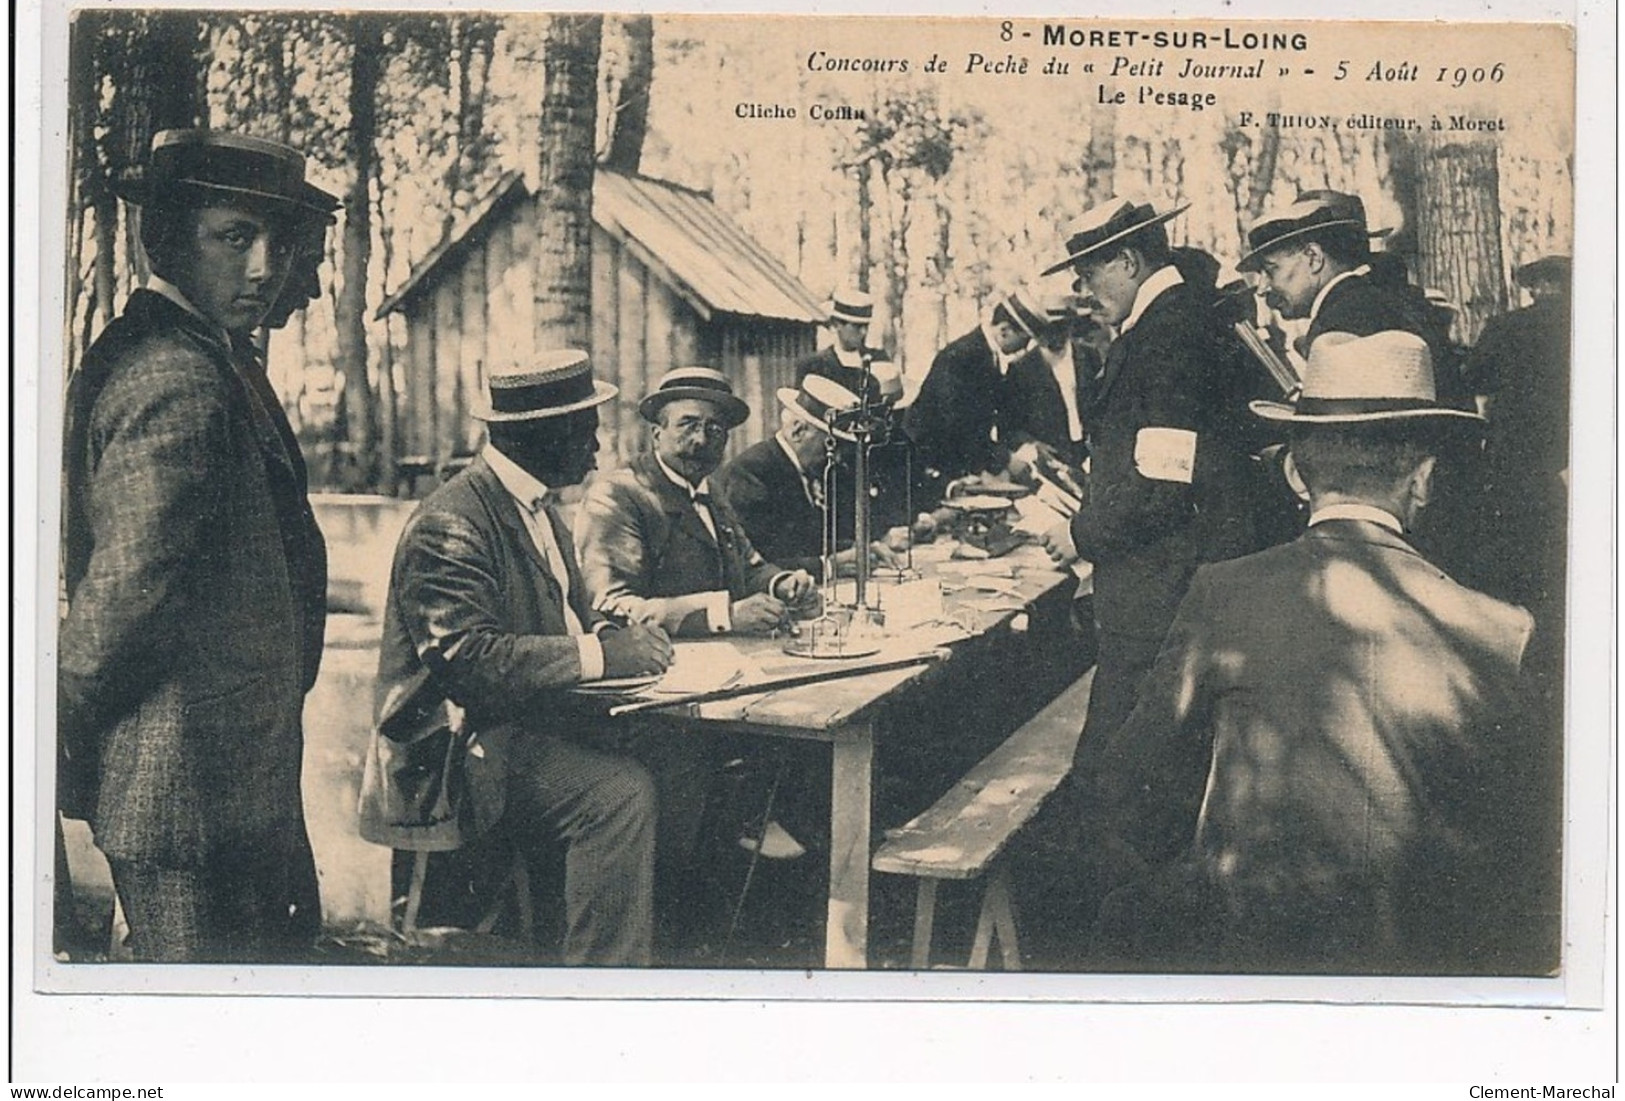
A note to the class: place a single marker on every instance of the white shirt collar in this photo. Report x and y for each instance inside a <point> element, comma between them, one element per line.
<point>159,285</point>
<point>848,359</point>
<point>1160,280</point>
<point>1314,309</point>
<point>521,485</point>
<point>1354,511</point>
<point>1000,359</point>
<point>682,482</point>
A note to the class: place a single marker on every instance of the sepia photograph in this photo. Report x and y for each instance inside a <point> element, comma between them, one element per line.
<point>659,505</point>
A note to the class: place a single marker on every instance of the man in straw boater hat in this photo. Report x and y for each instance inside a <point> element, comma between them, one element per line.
<point>194,570</point>
<point>1049,386</point>
<point>488,625</point>
<point>657,545</point>
<point>849,360</point>
<point>1354,709</point>
<point>1315,263</point>
<point>954,420</point>
<point>777,487</point>
<point>1168,486</point>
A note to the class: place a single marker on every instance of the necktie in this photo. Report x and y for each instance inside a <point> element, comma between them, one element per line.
<point>546,526</point>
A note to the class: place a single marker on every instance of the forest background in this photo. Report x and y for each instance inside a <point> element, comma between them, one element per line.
<point>944,194</point>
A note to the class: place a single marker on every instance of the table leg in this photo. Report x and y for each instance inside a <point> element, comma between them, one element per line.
<point>846,929</point>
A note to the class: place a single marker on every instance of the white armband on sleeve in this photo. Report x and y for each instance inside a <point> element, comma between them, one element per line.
<point>1166,454</point>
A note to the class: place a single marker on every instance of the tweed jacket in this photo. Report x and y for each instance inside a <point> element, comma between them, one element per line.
<point>474,619</point>
<point>954,418</point>
<point>1146,536</point>
<point>646,553</point>
<point>767,491</point>
<point>196,584</point>
<point>1035,410</point>
<point>1355,707</point>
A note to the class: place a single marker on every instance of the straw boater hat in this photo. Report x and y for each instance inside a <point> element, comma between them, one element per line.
<point>1311,212</point>
<point>213,164</point>
<point>1109,223</point>
<point>702,383</point>
<point>558,382</point>
<point>1026,311</point>
<point>850,305</point>
<point>817,398</point>
<point>1356,379</point>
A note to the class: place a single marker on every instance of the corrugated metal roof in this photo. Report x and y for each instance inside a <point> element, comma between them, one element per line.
<point>713,262</point>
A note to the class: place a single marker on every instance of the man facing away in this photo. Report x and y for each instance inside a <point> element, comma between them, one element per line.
<point>487,627</point>
<point>779,488</point>
<point>1363,806</point>
<point>196,576</point>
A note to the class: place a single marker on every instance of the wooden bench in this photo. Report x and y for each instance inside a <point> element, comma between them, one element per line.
<point>963,833</point>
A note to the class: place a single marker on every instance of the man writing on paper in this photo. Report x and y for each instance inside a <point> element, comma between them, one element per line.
<point>487,626</point>
<point>658,546</point>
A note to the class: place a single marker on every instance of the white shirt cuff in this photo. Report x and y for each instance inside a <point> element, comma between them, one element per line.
<point>1028,453</point>
<point>592,657</point>
<point>719,616</point>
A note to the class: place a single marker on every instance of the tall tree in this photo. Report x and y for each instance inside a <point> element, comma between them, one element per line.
<point>563,286</point>
<point>359,414</point>
<point>629,121</point>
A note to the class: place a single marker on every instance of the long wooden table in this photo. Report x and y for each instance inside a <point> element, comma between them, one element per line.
<point>848,713</point>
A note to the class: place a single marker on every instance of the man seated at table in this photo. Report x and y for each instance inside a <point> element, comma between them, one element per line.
<point>657,546</point>
<point>486,628</point>
<point>1361,766</point>
<point>778,487</point>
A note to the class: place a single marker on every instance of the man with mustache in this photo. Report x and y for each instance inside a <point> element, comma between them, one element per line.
<point>657,546</point>
<point>195,573</point>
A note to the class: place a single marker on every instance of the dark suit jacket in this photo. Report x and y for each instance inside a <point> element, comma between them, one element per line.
<point>1362,305</point>
<point>825,363</point>
<point>646,553</point>
<point>952,419</point>
<point>196,582</point>
<point>1146,536</point>
<point>767,492</point>
<point>1354,705</point>
<point>475,619</point>
<point>1034,409</point>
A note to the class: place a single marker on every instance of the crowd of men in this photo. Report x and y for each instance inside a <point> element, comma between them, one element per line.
<point>1309,746</point>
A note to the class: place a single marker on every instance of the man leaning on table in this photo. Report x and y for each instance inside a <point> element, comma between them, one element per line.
<point>487,627</point>
<point>656,545</point>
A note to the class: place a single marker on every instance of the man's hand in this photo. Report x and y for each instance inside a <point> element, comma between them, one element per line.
<point>794,588</point>
<point>758,613</point>
<point>1058,544</point>
<point>635,651</point>
<point>881,555</point>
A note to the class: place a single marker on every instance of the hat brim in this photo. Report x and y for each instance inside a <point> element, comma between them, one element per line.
<point>601,392</point>
<point>834,318</point>
<point>1280,412</point>
<point>1250,261</point>
<point>734,410</point>
<point>1114,238</point>
<point>787,398</point>
<point>310,201</point>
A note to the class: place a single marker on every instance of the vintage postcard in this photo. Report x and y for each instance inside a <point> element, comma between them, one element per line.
<point>659,505</point>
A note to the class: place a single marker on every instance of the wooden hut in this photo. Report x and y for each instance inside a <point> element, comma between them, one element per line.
<point>674,282</point>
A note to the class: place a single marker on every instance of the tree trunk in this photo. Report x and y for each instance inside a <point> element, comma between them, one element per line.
<point>350,314</point>
<point>631,124</point>
<point>563,285</point>
<point>866,209</point>
<point>1459,228</point>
